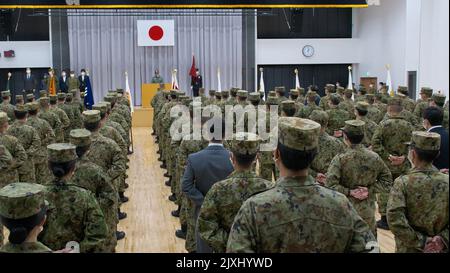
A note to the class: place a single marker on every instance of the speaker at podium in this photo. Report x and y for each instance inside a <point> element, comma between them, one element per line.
<point>148,91</point>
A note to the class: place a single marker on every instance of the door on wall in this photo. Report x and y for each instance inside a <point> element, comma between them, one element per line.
<point>412,84</point>
<point>367,81</point>
<point>320,75</point>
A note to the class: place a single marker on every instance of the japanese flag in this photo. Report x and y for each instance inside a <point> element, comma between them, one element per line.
<point>156,32</point>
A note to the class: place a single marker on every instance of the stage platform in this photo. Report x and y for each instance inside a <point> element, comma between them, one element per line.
<point>142,117</point>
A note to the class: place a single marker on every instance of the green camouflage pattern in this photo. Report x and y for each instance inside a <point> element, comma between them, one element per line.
<point>21,200</point>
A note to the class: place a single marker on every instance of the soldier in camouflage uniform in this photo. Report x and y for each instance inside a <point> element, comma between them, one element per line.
<point>76,101</point>
<point>269,222</point>
<point>19,201</point>
<point>373,113</point>
<point>223,200</point>
<point>77,121</point>
<point>294,95</point>
<point>69,113</point>
<point>389,142</point>
<point>117,114</point>
<point>46,114</point>
<point>267,167</point>
<point>336,116</point>
<point>47,137</point>
<point>418,203</point>
<point>30,140</point>
<point>329,89</point>
<point>407,103</point>
<point>361,95</point>
<point>233,94</point>
<point>73,214</point>
<point>327,149</point>
<point>122,99</point>
<point>280,91</point>
<point>19,100</point>
<point>310,106</point>
<point>379,104</point>
<point>6,161</point>
<point>359,173</point>
<point>425,94</point>
<point>361,111</point>
<point>90,176</point>
<point>157,98</point>
<point>347,103</point>
<point>29,98</point>
<point>62,116</point>
<point>171,101</point>
<point>288,108</point>
<point>438,100</point>
<point>6,105</point>
<point>120,108</point>
<point>210,99</point>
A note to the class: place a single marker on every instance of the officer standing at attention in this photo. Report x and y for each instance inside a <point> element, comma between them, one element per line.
<point>270,222</point>
<point>196,83</point>
<point>157,78</point>
<point>417,210</point>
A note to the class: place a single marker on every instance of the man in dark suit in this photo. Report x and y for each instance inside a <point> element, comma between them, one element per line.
<point>196,83</point>
<point>64,82</point>
<point>432,121</point>
<point>203,169</point>
<point>29,82</point>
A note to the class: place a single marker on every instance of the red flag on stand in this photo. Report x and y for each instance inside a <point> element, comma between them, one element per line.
<point>193,68</point>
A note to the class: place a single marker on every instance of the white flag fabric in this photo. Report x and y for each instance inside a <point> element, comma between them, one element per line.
<point>156,32</point>
<point>261,85</point>
<point>174,79</point>
<point>350,80</point>
<point>389,83</point>
<point>128,92</point>
<point>219,84</point>
<point>297,81</point>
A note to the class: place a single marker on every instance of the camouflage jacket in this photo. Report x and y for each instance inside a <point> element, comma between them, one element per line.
<point>9,110</point>
<point>54,123</point>
<point>65,121</point>
<point>117,117</point>
<point>298,215</point>
<point>420,107</point>
<point>221,204</point>
<point>46,135</point>
<point>19,156</point>
<point>418,208</point>
<point>36,247</point>
<point>6,160</point>
<point>409,104</point>
<point>349,106</point>
<point>304,112</point>
<point>336,120</point>
<point>108,155</point>
<point>73,215</point>
<point>324,103</point>
<point>374,114</point>
<point>389,139</point>
<point>77,121</point>
<point>28,137</point>
<point>114,135</point>
<point>328,148</point>
<point>369,131</point>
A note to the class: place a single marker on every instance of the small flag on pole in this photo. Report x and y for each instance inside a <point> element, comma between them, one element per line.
<point>174,79</point>
<point>389,81</point>
<point>193,68</point>
<point>219,84</point>
<point>261,83</point>
<point>297,81</point>
<point>350,79</point>
<point>128,92</point>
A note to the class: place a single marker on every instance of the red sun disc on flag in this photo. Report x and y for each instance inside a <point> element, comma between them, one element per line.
<point>155,33</point>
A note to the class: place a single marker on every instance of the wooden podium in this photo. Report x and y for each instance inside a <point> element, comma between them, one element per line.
<point>148,91</point>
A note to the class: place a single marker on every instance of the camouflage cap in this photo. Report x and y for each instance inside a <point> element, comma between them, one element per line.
<point>272,94</point>
<point>254,96</point>
<point>91,116</point>
<point>22,108</point>
<point>69,96</point>
<point>73,92</point>
<point>61,96</point>
<point>355,127</point>
<point>362,105</point>
<point>394,101</point>
<point>19,97</point>
<point>185,100</point>
<point>320,117</point>
<point>427,141</point>
<point>340,90</point>
<point>196,104</point>
<point>112,93</point>
<point>362,89</point>
<point>233,91</point>
<point>108,104</point>
<point>43,102</point>
<point>218,94</point>
<point>3,118</point>
<point>371,91</point>
<point>33,106</point>
<point>42,93</point>
<point>427,91</point>
<point>279,89</point>
<point>6,93</point>
<point>301,91</point>
<point>100,107</point>
<point>439,98</point>
<point>61,152</point>
<point>22,200</point>
<point>242,93</point>
<point>212,92</point>
<point>225,93</point>
<point>311,94</point>
<point>402,90</point>
<point>330,88</point>
<point>80,137</point>
<point>287,105</point>
<point>111,99</point>
<point>271,100</point>
<point>294,92</point>
<point>30,96</point>
<point>245,143</point>
<point>298,134</point>
<point>120,90</point>
<point>53,98</point>
<point>334,96</point>
<point>348,91</point>
<point>180,93</point>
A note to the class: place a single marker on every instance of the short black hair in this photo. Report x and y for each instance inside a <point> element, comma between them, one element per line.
<point>91,126</point>
<point>335,100</point>
<point>254,103</point>
<point>244,161</point>
<point>294,159</point>
<point>61,169</point>
<point>82,150</point>
<point>361,112</point>
<point>32,112</point>
<point>102,115</point>
<point>354,138</point>
<point>395,108</point>
<point>425,155</point>
<point>5,97</point>
<point>19,229</point>
<point>20,114</point>
<point>53,102</point>
<point>290,112</point>
<point>294,97</point>
<point>434,115</point>
<point>348,95</point>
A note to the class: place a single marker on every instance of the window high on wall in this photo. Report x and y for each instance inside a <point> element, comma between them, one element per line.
<point>23,25</point>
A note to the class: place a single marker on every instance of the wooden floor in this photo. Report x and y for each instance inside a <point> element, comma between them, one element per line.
<point>149,225</point>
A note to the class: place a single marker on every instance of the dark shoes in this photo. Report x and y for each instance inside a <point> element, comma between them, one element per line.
<point>173,198</point>
<point>120,235</point>
<point>123,198</point>
<point>166,175</point>
<point>122,215</point>
<point>168,183</point>
<point>175,213</point>
<point>382,223</point>
<point>180,234</point>
<point>163,166</point>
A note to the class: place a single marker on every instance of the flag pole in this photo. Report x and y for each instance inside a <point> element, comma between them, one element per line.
<point>127,89</point>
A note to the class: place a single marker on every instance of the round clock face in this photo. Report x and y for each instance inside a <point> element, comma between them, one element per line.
<point>308,51</point>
